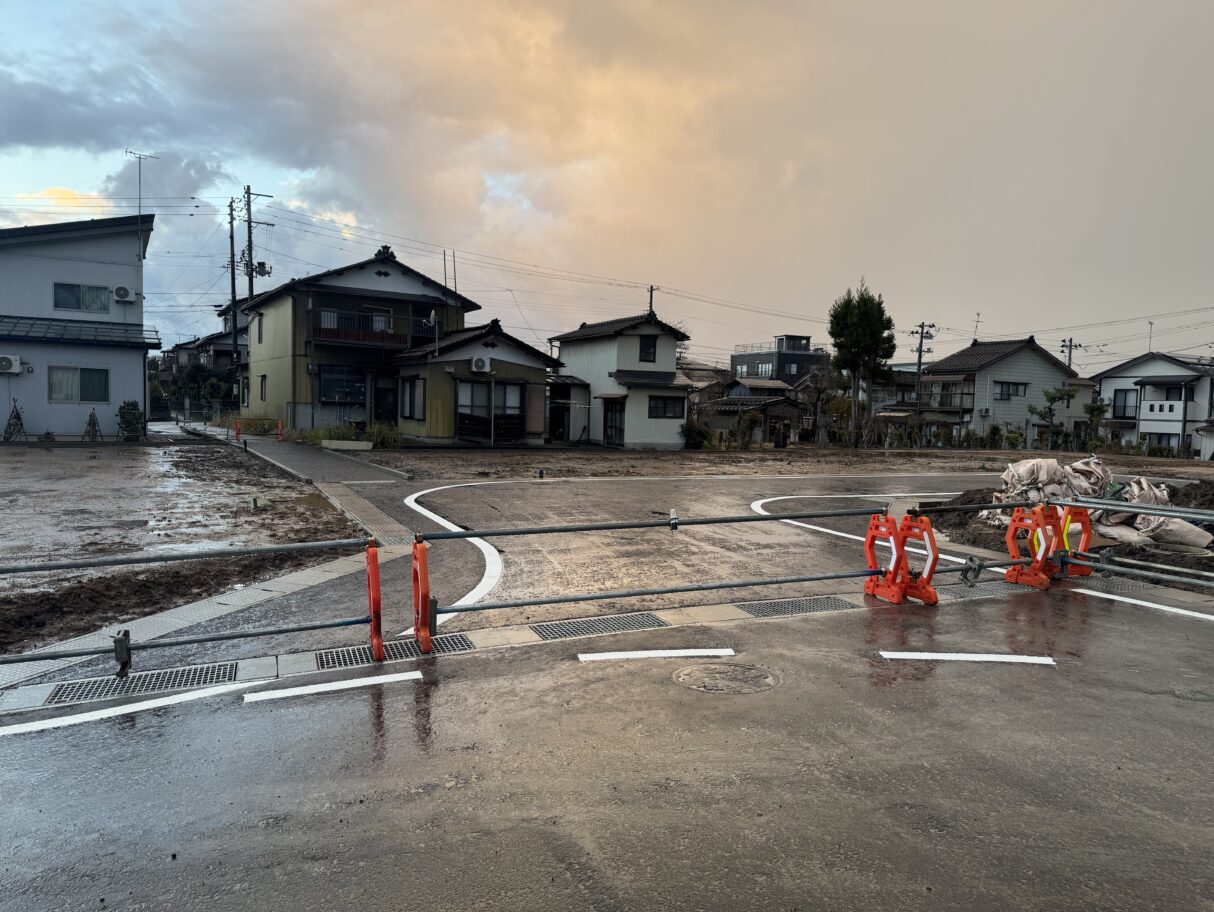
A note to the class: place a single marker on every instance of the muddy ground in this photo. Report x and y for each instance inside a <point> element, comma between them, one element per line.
<point>453,464</point>
<point>76,503</point>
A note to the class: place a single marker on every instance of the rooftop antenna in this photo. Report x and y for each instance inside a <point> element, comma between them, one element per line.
<point>433,321</point>
<point>139,157</point>
<point>977,320</point>
<point>1150,333</point>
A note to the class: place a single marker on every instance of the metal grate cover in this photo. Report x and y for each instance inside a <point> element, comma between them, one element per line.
<point>143,682</point>
<point>963,593</point>
<point>584,627</point>
<point>1111,583</point>
<point>793,606</point>
<point>396,650</point>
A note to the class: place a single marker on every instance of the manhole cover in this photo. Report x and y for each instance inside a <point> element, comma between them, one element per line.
<point>726,678</point>
<point>1196,696</point>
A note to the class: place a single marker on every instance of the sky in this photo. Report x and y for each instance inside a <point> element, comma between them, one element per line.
<point>997,169</point>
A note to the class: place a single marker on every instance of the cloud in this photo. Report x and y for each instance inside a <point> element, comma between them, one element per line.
<point>1041,163</point>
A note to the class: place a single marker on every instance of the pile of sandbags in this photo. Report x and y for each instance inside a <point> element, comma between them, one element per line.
<point>1035,480</point>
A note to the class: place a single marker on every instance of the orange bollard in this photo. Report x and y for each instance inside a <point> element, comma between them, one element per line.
<point>421,597</point>
<point>374,603</point>
<point>885,586</point>
<point>280,430</point>
<point>1074,516</point>
<point>238,429</point>
<point>1043,529</point>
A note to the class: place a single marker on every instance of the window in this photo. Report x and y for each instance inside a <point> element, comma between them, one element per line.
<point>79,384</point>
<point>649,348</point>
<point>244,391</point>
<point>413,398</point>
<point>507,399</point>
<point>1172,393</point>
<point>328,319</point>
<point>85,298</point>
<point>790,369</point>
<point>474,398</point>
<point>261,319</point>
<point>1125,403</point>
<point>765,369</point>
<point>666,406</point>
<point>741,370</point>
<point>1005,391</point>
<point>1171,406</point>
<point>339,383</point>
<point>263,387</point>
<point>381,320</point>
<point>1151,407</point>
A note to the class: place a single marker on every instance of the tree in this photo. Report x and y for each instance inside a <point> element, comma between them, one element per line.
<point>1053,398</point>
<point>1096,412</point>
<point>863,337</point>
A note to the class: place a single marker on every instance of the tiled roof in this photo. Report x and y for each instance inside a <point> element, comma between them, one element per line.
<point>760,383</point>
<point>743,403</point>
<point>568,378</point>
<point>78,332</point>
<point>668,379</point>
<point>472,334</point>
<point>980,355</point>
<point>617,326</point>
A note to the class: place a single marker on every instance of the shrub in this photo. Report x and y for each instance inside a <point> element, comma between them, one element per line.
<point>384,436</point>
<point>1013,440</point>
<point>994,437</point>
<point>696,434</point>
<point>330,432</point>
<point>1163,451</point>
<point>130,420</point>
<point>746,424</point>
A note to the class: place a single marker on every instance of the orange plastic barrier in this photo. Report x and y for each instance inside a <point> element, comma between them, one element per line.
<point>238,429</point>
<point>1044,532</point>
<point>375,603</point>
<point>897,582</point>
<point>1074,516</point>
<point>280,430</point>
<point>885,586</point>
<point>421,598</point>
<point>918,585</point>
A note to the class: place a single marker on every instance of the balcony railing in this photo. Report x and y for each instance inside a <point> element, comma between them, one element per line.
<point>362,328</point>
<point>948,400</point>
<point>1170,410</point>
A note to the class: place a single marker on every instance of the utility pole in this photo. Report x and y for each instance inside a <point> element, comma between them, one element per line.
<point>232,302</point>
<point>139,157</point>
<point>1069,346</point>
<point>925,332</point>
<point>652,288</point>
<point>1150,333</point>
<point>252,268</point>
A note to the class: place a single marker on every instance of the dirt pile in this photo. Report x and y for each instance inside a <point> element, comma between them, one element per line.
<point>967,528</point>
<point>1199,495</point>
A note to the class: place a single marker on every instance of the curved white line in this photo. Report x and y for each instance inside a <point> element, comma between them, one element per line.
<point>493,562</point>
<point>757,506</point>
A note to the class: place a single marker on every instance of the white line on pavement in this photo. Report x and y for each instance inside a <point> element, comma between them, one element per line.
<point>965,657</point>
<point>331,686</point>
<point>124,710</point>
<point>1155,605</point>
<point>653,654</point>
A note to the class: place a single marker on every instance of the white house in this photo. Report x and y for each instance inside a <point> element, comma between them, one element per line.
<point>72,337</point>
<point>637,399</point>
<point>1159,399</point>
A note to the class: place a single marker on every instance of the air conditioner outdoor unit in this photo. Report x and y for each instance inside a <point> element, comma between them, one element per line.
<point>480,364</point>
<point>986,411</point>
<point>10,364</point>
<point>122,293</point>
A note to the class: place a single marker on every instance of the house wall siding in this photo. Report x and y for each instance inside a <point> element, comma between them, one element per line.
<point>593,360</point>
<point>1027,366</point>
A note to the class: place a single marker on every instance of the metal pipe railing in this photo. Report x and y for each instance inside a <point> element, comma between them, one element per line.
<point>184,641</point>
<point>1121,506</point>
<point>985,565</point>
<point>338,544</point>
<point>970,508</point>
<point>1144,574</point>
<point>666,590</point>
<point>674,523</point>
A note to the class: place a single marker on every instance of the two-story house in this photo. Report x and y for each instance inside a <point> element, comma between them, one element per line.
<point>780,413</point>
<point>994,383</point>
<point>323,349</point>
<point>637,398</point>
<point>72,338</point>
<point>784,358</point>
<point>1159,399</point>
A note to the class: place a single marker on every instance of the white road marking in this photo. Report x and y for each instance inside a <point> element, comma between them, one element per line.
<point>757,506</point>
<point>653,654</point>
<point>331,686</point>
<point>965,657</point>
<point>125,709</point>
<point>1156,605</point>
<point>493,561</point>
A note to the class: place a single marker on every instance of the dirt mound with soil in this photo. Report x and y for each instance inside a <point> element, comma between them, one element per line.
<point>1199,495</point>
<point>967,528</point>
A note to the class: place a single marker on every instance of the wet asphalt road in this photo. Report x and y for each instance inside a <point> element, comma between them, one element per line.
<point>522,779</point>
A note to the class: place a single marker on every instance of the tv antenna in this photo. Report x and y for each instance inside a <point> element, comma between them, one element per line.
<point>139,157</point>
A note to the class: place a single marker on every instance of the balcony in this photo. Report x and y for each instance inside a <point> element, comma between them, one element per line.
<point>1170,411</point>
<point>346,327</point>
<point>963,401</point>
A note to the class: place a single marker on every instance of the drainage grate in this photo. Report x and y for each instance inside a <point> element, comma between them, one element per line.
<point>583,627</point>
<point>1109,583</point>
<point>786,607</point>
<point>143,682</point>
<point>964,593</point>
<point>396,650</point>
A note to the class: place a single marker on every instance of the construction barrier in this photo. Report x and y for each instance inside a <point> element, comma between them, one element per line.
<point>374,602</point>
<point>896,581</point>
<point>423,621</point>
<point>280,430</point>
<point>238,430</point>
<point>1071,517</point>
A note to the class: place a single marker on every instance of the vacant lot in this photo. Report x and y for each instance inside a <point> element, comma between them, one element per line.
<point>67,503</point>
<point>458,464</point>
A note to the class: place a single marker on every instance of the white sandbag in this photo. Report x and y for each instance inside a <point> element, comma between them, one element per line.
<point>1178,532</point>
<point>1125,534</point>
